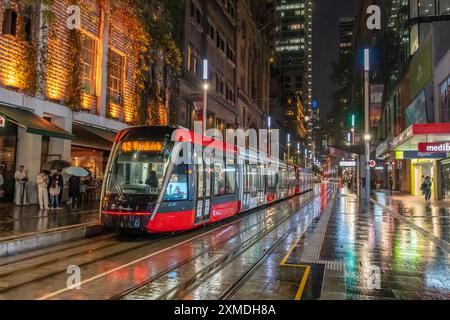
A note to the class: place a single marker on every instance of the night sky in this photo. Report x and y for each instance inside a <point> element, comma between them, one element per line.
<point>326,46</point>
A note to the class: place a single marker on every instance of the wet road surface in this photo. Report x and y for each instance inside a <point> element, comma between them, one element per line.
<point>16,221</point>
<point>113,266</point>
<point>324,247</point>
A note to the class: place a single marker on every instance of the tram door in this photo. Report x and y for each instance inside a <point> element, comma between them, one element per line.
<point>203,206</point>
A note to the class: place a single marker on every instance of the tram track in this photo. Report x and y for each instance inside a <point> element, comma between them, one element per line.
<point>79,254</point>
<point>87,249</point>
<point>215,228</point>
<point>181,291</point>
<point>190,236</point>
<point>198,255</point>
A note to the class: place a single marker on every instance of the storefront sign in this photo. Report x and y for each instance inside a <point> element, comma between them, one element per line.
<point>376,100</point>
<point>408,155</point>
<point>439,147</point>
<point>2,121</point>
<point>347,164</point>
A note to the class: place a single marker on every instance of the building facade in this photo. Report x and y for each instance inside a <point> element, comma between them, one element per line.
<point>64,92</point>
<point>414,109</point>
<point>228,35</point>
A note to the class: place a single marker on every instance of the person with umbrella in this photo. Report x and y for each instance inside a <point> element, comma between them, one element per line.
<point>74,183</point>
<point>74,191</point>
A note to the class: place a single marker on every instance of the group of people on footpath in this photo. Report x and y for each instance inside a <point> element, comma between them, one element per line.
<point>50,189</point>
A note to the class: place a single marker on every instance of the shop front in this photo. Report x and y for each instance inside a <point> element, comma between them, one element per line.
<point>23,136</point>
<point>91,149</point>
<point>445,168</point>
<point>424,148</point>
<point>8,143</point>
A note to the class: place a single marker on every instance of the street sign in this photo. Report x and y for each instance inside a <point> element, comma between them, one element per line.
<point>2,121</point>
<point>347,164</point>
<point>437,147</point>
<point>372,163</point>
<point>408,155</point>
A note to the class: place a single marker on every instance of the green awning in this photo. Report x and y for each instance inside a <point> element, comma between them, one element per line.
<point>102,133</point>
<point>34,124</point>
<point>92,137</point>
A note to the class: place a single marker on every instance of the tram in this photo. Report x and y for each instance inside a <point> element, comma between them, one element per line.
<point>146,189</point>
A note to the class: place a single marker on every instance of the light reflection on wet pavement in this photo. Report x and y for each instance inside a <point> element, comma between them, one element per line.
<point>15,220</point>
<point>350,243</point>
<point>412,266</point>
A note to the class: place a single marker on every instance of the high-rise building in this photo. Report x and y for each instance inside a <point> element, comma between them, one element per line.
<point>346,34</point>
<point>293,64</point>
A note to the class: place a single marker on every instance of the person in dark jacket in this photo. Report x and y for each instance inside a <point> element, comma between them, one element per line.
<point>74,191</point>
<point>59,178</point>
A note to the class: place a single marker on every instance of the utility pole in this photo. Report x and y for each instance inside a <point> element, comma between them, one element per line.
<point>367,115</point>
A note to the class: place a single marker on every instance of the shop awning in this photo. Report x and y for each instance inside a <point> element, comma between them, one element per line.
<point>352,149</point>
<point>93,137</point>
<point>417,133</point>
<point>33,123</point>
<point>384,148</point>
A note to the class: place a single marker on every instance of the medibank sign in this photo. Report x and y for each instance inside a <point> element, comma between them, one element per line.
<point>439,147</point>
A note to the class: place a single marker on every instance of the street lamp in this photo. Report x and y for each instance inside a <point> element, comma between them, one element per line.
<point>289,146</point>
<point>366,107</point>
<point>353,128</point>
<point>269,125</point>
<point>205,92</point>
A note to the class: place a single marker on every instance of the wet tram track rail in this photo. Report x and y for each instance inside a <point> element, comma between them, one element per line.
<point>117,240</point>
<point>96,244</point>
<point>182,290</point>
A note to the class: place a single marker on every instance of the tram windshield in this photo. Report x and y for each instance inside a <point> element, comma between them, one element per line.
<point>138,168</point>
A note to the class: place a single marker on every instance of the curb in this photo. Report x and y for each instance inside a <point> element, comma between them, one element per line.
<point>37,240</point>
<point>439,242</point>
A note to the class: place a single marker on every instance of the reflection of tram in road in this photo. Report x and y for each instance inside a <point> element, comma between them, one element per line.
<point>145,191</point>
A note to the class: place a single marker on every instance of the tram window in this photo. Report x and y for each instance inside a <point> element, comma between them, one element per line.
<point>247,178</point>
<point>177,188</point>
<point>260,179</point>
<point>230,179</point>
<point>253,179</point>
<point>219,179</point>
<point>271,180</point>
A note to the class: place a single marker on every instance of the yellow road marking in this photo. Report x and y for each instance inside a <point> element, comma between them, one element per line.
<point>291,249</point>
<point>284,263</point>
<point>299,294</point>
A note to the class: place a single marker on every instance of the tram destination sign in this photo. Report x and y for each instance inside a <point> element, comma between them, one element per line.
<point>436,147</point>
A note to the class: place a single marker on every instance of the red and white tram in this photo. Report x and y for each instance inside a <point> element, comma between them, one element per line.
<point>146,190</point>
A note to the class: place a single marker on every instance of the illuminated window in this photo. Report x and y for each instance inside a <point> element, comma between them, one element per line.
<point>88,54</point>
<point>115,77</point>
<point>193,59</point>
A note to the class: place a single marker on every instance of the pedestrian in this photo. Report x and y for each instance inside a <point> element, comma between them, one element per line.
<point>20,194</point>
<point>2,182</point>
<point>391,185</point>
<point>426,189</point>
<point>74,191</point>
<point>59,177</point>
<point>42,184</point>
<point>54,193</point>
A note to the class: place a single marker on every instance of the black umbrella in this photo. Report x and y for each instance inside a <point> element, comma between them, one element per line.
<point>56,165</point>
